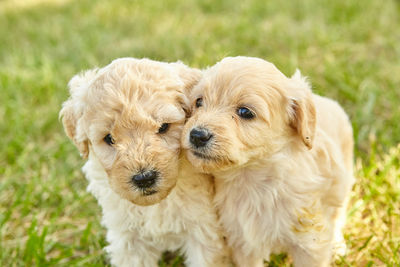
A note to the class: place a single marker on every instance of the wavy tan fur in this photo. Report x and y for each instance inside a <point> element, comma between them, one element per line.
<point>282,178</point>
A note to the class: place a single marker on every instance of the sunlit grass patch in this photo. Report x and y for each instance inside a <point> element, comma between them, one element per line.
<point>373,232</point>
<point>348,48</point>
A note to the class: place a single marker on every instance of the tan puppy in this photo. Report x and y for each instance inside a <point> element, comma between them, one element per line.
<point>127,118</point>
<point>282,159</point>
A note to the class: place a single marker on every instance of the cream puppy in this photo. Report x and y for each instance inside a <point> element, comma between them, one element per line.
<point>281,156</point>
<point>127,119</point>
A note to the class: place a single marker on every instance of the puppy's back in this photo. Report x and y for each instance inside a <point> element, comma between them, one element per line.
<point>333,120</point>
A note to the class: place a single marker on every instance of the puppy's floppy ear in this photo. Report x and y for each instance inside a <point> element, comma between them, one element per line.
<point>73,109</point>
<point>190,77</point>
<point>301,109</point>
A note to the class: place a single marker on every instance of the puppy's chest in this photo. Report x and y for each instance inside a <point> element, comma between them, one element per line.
<point>157,222</point>
<point>154,223</point>
<point>255,203</point>
<point>261,209</point>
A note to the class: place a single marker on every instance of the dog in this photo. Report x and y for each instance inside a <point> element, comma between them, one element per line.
<point>282,158</point>
<point>127,119</point>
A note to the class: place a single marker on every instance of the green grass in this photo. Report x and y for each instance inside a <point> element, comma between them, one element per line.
<point>350,49</point>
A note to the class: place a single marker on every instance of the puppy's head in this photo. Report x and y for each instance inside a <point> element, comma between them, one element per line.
<point>245,108</point>
<point>129,115</point>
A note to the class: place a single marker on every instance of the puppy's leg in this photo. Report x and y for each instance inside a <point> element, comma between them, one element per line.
<point>339,245</point>
<point>340,214</point>
<point>339,195</point>
<point>241,259</point>
<point>205,248</point>
<point>126,251</point>
<point>307,257</point>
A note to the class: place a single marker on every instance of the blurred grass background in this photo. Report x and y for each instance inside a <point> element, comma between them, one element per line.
<point>350,50</point>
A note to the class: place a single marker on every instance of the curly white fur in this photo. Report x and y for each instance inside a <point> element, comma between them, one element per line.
<point>129,100</point>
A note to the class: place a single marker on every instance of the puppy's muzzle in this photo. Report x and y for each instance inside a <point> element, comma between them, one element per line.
<point>199,137</point>
<point>145,179</point>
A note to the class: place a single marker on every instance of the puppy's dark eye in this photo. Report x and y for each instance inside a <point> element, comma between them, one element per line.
<point>164,128</point>
<point>199,102</point>
<point>245,113</point>
<point>108,139</point>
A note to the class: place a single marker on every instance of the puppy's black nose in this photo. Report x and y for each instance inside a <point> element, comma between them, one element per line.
<point>199,137</point>
<point>145,179</point>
